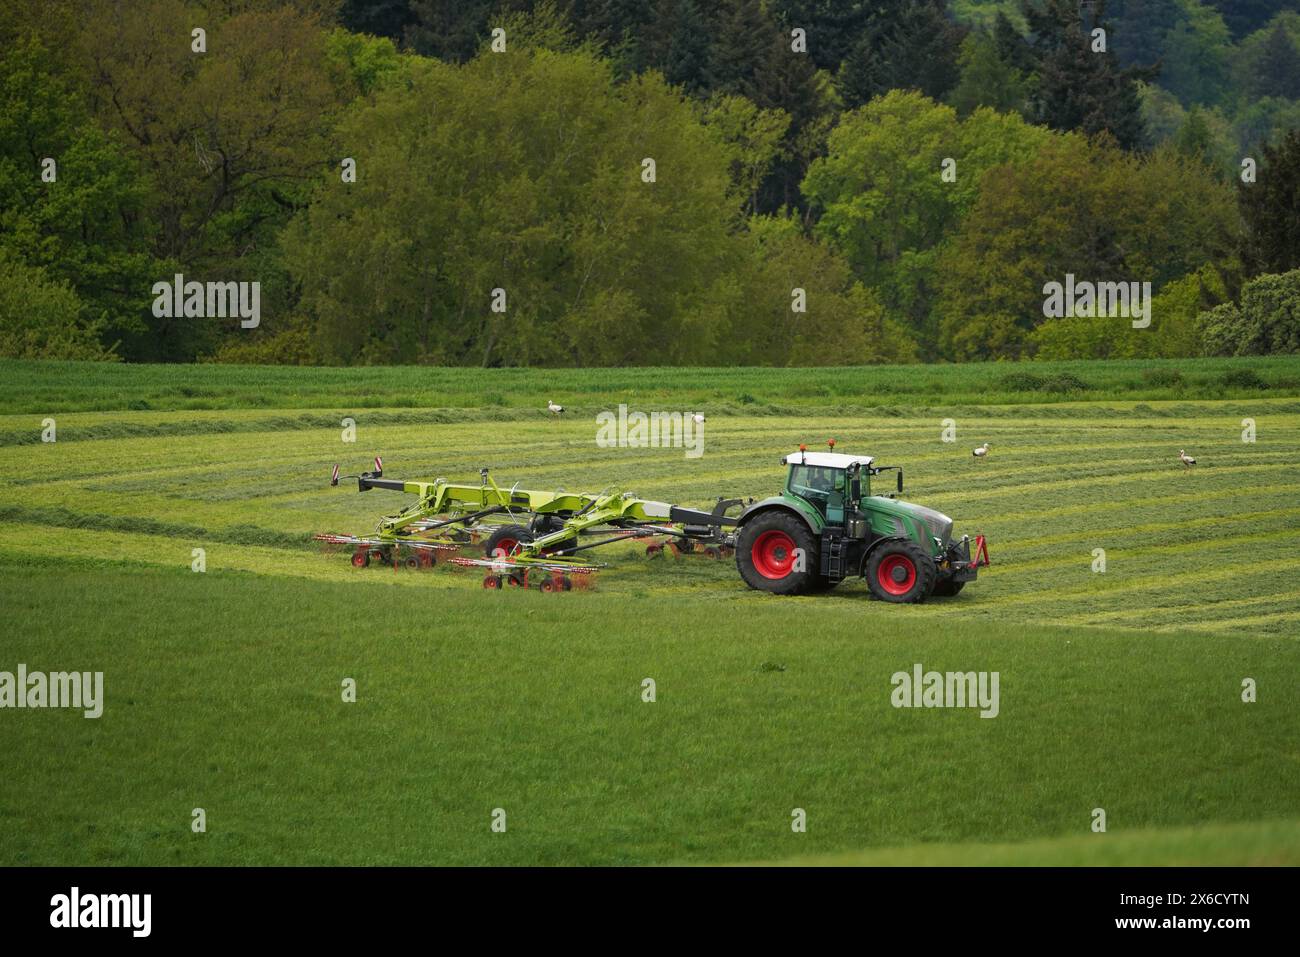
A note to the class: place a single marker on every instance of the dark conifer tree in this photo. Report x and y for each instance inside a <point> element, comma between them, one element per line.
<point>1080,88</point>
<point>1271,209</point>
<point>832,27</point>
<point>1246,16</point>
<point>1277,72</point>
<point>911,44</point>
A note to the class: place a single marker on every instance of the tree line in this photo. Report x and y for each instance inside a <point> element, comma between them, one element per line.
<point>606,182</point>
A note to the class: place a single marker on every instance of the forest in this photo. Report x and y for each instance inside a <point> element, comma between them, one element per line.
<point>500,183</point>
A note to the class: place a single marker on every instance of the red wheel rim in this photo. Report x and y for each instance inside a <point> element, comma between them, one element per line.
<point>773,554</point>
<point>358,559</point>
<point>491,583</point>
<point>507,546</point>
<point>896,574</point>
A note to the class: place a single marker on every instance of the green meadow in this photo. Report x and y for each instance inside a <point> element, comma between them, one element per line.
<point>1120,689</point>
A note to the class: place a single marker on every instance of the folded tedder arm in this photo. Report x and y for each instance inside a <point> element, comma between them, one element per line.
<point>450,512</point>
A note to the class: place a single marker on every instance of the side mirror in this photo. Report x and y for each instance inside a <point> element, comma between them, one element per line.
<point>900,481</point>
<point>855,490</point>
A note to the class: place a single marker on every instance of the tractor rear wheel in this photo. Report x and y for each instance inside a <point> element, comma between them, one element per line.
<point>948,588</point>
<point>900,572</point>
<point>776,552</point>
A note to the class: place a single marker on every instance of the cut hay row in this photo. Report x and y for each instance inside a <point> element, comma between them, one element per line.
<point>1046,499</point>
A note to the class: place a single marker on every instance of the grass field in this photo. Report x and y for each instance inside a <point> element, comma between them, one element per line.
<point>1119,690</point>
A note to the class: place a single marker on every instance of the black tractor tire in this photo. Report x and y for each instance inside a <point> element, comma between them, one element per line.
<point>765,553</point>
<point>545,524</point>
<point>901,572</point>
<point>947,588</point>
<point>512,535</point>
<point>506,538</point>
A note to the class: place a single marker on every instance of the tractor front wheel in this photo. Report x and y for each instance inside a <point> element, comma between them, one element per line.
<point>776,552</point>
<point>900,572</point>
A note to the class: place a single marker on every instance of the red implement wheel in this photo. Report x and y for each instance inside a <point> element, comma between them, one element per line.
<point>492,582</point>
<point>360,558</point>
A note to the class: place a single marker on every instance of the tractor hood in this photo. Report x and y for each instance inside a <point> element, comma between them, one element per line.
<point>939,524</point>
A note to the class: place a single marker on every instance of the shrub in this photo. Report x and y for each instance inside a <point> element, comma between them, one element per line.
<point>1266,323</point>
<point>1242,379</point>
<point>1022,382</point>
<point>1065,382</point>
<point>43,318</point>
<point>1164,378</point>
<point>1030,382</point>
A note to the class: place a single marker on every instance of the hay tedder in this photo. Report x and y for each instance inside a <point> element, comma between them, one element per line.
<point>823,527</point>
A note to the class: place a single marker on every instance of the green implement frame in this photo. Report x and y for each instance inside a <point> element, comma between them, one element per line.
<point>557,517</point>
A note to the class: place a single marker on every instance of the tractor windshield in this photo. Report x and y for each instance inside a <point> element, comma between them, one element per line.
<point>806,479</point>
<point>824,488</point>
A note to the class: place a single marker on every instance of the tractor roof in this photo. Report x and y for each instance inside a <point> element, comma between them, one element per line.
<point>827,460</point>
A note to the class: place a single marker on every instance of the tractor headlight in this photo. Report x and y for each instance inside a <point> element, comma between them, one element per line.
<point>939,524</point>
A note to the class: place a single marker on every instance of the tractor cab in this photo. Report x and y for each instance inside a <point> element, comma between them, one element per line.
<point>832,483</point>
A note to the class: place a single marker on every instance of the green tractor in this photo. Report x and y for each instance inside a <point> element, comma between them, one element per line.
<point>827,525</point>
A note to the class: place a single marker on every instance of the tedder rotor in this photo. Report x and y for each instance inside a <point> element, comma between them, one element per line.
<point>824,526</point>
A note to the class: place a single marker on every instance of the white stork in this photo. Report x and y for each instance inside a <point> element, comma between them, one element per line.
<point>1186,459</point>
<point>552,408</point>
<point>980,451</point>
